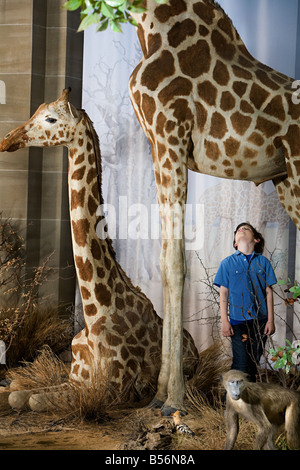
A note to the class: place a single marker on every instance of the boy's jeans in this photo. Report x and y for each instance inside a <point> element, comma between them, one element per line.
<point>248,343</point>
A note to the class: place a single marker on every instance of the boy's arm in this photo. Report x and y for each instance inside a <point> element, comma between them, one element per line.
<point>270,325</point>
<point>226,327</point>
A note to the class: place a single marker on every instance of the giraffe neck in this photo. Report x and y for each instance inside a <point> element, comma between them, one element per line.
<point>96,266</point>
<point>170,25</point>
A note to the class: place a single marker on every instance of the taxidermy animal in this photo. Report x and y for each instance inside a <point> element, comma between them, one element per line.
<point>206,104</point>
<point>268,406</point>
<point>181,427</point>
<point>122,329</point>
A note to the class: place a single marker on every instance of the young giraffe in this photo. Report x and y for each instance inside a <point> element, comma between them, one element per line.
<point>206,104</point>
<point>121,325</point>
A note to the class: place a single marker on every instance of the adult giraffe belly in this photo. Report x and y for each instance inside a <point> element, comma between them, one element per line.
<point>232,159</point>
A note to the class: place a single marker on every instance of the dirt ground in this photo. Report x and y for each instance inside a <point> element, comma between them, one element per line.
<point>32,431</point>
<point>49,436</point>
<point>39,431</point>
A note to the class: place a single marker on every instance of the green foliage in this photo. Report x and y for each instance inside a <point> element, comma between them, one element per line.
<point>283,358</point>
<point>294,289</point>
<point>106,13</point>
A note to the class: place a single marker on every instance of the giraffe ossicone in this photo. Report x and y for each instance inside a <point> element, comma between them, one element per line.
<point>205,103</point>
<point>123,333</point>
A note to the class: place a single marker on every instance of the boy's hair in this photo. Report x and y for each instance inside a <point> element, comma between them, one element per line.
<point>259,247</point>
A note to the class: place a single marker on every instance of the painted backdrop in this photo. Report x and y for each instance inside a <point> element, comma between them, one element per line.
<point>215,206</point>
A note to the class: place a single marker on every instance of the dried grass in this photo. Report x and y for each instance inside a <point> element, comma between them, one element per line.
<point>46,370</point>
<point>40,326</point>
<point>212,363</point>
<point>89,400</point>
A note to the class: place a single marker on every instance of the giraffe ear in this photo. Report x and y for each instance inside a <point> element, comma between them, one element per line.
<point>70,109</point>
<point>74,112</point>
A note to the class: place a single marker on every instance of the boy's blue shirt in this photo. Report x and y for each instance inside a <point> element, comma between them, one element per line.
<point>246,282</point>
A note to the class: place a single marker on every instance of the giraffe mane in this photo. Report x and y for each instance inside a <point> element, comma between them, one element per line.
<point>98,159</point>
<point>221,10</point>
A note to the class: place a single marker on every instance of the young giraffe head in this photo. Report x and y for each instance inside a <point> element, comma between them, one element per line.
<point>52,124</point>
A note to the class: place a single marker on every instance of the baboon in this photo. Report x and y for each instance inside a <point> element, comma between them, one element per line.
<point>268,406</point>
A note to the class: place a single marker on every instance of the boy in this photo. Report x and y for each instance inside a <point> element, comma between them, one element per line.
<point>245,279</point>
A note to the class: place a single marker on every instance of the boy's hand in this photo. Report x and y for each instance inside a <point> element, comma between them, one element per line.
<point>269,328</point>
<point>227,329</point>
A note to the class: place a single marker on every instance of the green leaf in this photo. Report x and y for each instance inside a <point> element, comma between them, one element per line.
<point>107,11</point>
<point>115,26</point>
<point>72,5</point>
<point>133,22</point>
<point>88,21</point>
<point>281,282</point>
<point>103,25</point>
<point>115,3</point>
<point>279,364</point>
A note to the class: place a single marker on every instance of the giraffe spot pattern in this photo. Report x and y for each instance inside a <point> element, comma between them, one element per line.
<point>268,128</point>
<point>95,249</point>
<point>208,92</point>
<point>205,12</point>
<point>85,293</point>
<point>77,198</point>
<point>82,351</point>
<point>149,107</point>
<point>180,31</point>
<point>231,146</point>
<point>180,86</point>
<point>221,73</point>
<point>79,174</point>
<point>158,70</point>
<point>92,205</point>
<point>154,43</point>
<point>239,88</point>
<point>258,95</point>
<point>85,268</point>
<point>181,111</point>
<point>240,122</point>
<point>218,126</point>
<point>98,326</point>
<point>223,47</point>
<point>189,62</point>
<point>80,231</point>
<point>90,310</point>
<point>227,101</point>
<point>103,295</point>
<point>275,108</point>
<point>212,150</point>
<point>164,12</point>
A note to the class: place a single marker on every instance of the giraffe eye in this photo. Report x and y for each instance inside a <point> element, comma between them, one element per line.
<point>51,120</point>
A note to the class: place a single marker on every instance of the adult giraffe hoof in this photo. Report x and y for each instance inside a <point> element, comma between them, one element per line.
<point>169,410</point>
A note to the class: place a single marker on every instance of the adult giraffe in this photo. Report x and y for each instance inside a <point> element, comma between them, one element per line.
<point>206,104</point>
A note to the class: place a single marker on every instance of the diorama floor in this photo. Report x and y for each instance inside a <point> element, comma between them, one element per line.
<point>119,430</point>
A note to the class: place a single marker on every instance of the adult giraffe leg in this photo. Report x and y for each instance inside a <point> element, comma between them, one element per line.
<point>174,270</point>
<point>171,184</point>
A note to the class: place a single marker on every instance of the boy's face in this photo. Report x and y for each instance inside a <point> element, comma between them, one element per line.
<point>245,234</point>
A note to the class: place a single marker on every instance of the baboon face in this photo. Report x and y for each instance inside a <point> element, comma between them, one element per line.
<point>235,388</point>
<point>234,382</point>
